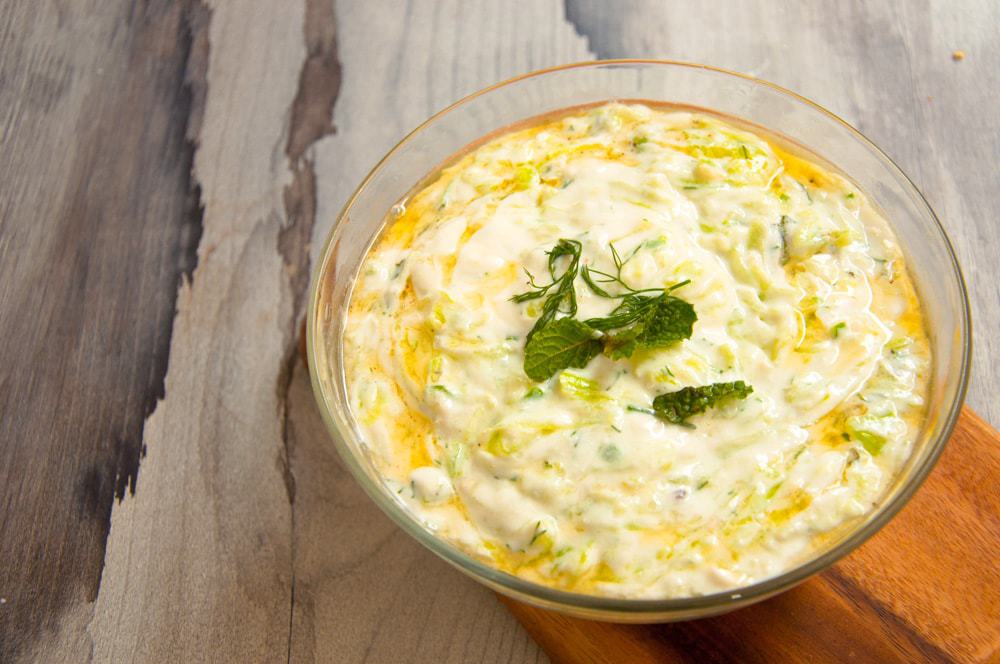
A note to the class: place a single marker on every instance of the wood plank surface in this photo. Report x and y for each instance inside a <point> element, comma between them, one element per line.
<point>923,589</point>
<point>143,138</point>
<point>98,222</point>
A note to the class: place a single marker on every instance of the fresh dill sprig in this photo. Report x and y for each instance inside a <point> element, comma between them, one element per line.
<point>563,298</point>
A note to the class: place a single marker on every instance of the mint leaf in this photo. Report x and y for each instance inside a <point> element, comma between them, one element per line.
<point>625,325</point>
<point>647,318</point>
<point>622,343</point>
<point>645,321</point>
<point>677,407</point>
<point>559,345</point>
<point>673,320</point>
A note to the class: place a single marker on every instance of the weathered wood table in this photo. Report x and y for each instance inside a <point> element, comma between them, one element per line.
<point>168,171</point>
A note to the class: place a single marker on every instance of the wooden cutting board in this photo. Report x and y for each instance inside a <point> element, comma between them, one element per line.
<point>925,588</point>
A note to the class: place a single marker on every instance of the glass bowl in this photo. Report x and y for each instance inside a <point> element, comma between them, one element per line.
<point>931,260</point>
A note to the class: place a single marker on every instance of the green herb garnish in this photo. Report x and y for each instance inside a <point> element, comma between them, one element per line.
<point>604,277</point>
<point>539,531</point>
<point>559,294</point>
<point>641,320</point>
<point>644,321</point>
<point>645,318</point>
<point>677,407</point>
<point>559,345</point>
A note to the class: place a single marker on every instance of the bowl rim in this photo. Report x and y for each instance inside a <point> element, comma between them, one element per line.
<point>554,598</point>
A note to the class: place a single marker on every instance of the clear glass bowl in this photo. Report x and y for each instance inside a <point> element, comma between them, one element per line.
<point>931,260</point>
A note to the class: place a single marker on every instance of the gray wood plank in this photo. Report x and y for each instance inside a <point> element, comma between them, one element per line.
<point>98,222</point>
<point>198,565</point>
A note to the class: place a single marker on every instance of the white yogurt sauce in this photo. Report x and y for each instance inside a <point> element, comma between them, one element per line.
<point>800,291</point>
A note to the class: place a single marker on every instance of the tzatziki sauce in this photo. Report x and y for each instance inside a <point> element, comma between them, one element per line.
<point>577,480</point>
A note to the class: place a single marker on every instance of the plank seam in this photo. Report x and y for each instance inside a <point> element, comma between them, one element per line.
<point>311,119</point>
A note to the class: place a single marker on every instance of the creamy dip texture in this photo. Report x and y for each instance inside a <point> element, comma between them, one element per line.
<point>575,482</point>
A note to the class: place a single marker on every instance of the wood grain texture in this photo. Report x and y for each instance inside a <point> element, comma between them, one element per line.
<point>98,221</point>
<point>243,541</point>
<point>923,589</point>
<point>199,563</point>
